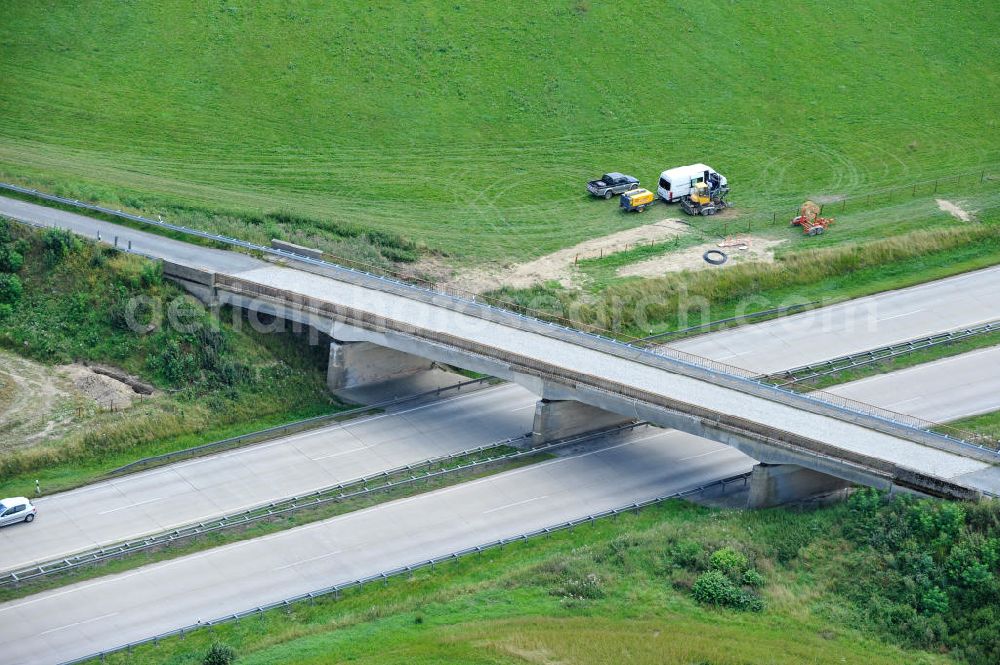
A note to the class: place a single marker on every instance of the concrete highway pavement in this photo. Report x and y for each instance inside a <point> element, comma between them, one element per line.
<point>147,244</point>
<point>74,621</point>
<point>188,492</point>
<point>856,325</point>
<point>943,390</point>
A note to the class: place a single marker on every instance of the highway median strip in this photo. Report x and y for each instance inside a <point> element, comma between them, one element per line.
<point>285,513</point>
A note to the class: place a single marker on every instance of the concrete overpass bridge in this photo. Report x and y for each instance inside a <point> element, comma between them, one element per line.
<point>382,329</point>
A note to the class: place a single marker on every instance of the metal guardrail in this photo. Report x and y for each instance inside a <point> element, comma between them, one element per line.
<point>732,319</point>
<point>467,305</point>
<point>805,372</point>
<point>280,430</point>
<point>384,576</point>
<point>342,491</point>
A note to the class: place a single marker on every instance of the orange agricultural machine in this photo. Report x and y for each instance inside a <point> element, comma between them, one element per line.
<point>810,221</point>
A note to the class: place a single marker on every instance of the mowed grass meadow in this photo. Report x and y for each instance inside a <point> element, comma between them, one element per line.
<point>471,127</point>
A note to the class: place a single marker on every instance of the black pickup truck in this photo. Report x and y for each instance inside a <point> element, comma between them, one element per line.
<point>611,184</point>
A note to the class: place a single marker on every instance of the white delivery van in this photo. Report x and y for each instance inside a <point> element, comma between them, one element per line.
<point>676,183</point>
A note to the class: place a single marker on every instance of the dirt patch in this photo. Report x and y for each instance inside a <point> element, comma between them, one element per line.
<point>954,210</point>
<point>38,402</point>
<point>558,266</point>
<point>108,392</point>
<point>748,248</point>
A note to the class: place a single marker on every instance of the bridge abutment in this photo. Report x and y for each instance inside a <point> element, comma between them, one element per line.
<point>560,419</point>
<point>777,484</point>
<point>355,364</point>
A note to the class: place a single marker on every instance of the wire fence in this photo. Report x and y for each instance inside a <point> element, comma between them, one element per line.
<point>840,205</point>
<point>384,576</point>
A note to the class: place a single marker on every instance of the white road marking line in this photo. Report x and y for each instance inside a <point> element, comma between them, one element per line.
<point>78,623</point>
<point>342,452</point>
<point>898,316</point>
<point>710,452</point>
<point>905,401</point>
<point>178,466</point>
<point>522,408</point>
<point>315,558</point>
<point>516,503</point>
<point>131,505</point>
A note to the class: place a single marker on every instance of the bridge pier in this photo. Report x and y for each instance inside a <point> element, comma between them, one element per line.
<point>777,484</point>
<point>560,419</point>
<point>354,364</point>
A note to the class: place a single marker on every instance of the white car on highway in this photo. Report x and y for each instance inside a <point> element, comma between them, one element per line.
<point>16,509</point>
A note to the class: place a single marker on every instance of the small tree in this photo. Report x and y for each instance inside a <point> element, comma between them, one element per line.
<point>220,654</point>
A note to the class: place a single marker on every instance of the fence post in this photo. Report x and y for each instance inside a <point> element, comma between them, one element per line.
<point>982,177</point>
<point>914,189</point>
<point>935,187</point>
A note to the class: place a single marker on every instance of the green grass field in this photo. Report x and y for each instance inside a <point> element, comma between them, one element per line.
<point>472,127</point>
<point>851,583</point>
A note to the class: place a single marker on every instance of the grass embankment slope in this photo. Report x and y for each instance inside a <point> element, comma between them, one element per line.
<point>472,127</point>
<point>64,300</point>
<point>859,582</point>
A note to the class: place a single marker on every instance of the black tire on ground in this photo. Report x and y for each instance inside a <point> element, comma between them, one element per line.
<point>608,194</point>
<point>819,230</point>
<point>715,257</point>
<point>709,211</point>
<point>29,518</point>
<point>642,208</point>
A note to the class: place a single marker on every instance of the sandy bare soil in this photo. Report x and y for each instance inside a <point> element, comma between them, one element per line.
<point>558,266</point>
<point>954,210</point>
<point>105,391</point>
<point>38,402</point>
<point>691,258</point>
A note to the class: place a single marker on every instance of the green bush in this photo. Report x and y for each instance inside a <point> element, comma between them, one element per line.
<point>174,364</point>
<point>11,289</point>
<point>930,571</point>
<point>10,259</point>
<point>715,588</point>
<point>151,274</point>
<point>686,554</point>
<point>588,587</point>
<point>753,578</point>
<point>57,243</point>
<point>729,561</point>
<point>219,654</point>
